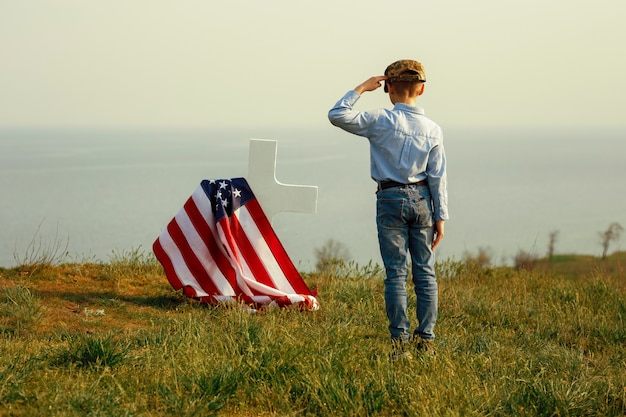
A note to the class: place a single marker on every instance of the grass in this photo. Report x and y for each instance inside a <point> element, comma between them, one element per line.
<point>113,339</point>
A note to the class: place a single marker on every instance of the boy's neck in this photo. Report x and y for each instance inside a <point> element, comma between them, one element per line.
<point>408,100</point>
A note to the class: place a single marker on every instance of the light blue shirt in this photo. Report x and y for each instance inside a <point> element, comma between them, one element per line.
<point>405,146</point>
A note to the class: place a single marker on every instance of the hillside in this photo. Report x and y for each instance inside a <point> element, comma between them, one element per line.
<point>115,339</point>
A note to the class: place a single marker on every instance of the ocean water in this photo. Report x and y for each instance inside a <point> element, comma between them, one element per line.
<point>105,192</point>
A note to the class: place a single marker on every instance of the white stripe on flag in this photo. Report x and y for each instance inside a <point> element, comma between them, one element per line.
<point>264,252</point>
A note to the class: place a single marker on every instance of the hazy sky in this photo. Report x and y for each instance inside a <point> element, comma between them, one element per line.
<point>246,63</point>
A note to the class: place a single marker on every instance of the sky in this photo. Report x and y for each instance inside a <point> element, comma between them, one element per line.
<point>247,63</point>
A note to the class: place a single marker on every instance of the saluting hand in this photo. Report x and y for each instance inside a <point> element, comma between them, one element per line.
<point>370,84</point>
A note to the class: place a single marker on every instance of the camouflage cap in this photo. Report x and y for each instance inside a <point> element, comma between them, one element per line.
<point>405,70</point>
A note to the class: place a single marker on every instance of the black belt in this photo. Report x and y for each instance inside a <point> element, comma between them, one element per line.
<point>383,185</point>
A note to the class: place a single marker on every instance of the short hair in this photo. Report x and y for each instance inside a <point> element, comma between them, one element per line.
<point>410,87</point>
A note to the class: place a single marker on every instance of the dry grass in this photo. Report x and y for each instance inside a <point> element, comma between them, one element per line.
<point>115,339</point>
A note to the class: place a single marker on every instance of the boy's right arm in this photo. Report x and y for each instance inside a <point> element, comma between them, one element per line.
<point>344,116</point>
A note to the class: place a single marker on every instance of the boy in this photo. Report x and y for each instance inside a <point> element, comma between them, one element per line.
<point>407,160</point>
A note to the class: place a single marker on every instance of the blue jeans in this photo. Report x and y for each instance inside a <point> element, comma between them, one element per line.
<point>404,218</point>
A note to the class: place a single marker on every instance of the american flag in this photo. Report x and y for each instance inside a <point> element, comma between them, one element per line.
<point>221,247</point>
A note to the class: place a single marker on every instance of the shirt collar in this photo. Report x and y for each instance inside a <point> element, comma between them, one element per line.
<point>407,108</point>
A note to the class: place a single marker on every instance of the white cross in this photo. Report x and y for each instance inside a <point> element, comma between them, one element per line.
<point>273,196</point>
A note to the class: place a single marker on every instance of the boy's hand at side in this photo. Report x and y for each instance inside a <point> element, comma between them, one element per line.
<point>370,84</point>
<point>438,234</point>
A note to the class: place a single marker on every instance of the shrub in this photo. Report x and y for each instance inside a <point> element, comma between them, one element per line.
<point>525,260</point>
<point>483,258</point>
<point>612,234</point>
<point>330,252</point>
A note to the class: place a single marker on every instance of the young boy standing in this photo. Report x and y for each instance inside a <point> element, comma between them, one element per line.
<point>408,162</point>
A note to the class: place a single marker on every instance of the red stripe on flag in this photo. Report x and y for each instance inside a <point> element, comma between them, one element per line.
<point>166,262</point>
<point>199,274</point>
<point>249,253</point>
<point>288,268</point>
<point>223,225</point>
<point>213,244</point>
<point>189,291</point>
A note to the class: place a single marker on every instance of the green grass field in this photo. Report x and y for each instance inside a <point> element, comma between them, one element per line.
<point>114,339</point>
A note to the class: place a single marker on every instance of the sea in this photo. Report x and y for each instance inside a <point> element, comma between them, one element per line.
<point>91,195</point>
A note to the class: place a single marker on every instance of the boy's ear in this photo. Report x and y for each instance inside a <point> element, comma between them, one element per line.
<point>421,90</point>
